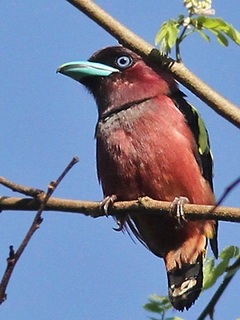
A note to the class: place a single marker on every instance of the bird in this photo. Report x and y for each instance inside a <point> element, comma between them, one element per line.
<point>151,142</point>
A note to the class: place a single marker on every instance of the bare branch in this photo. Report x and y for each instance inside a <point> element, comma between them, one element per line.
<point>14,257</point>
<point>227,191</point>
<point>28,191</point>
<point>140,206</point>
<point>129,39</point>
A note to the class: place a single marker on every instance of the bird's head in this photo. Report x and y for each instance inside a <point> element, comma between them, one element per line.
<point>117,76</point>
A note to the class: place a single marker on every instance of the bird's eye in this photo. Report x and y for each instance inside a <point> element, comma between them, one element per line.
<point>124,61</point>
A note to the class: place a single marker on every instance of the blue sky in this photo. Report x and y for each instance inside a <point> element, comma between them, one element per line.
<point>77,267</point>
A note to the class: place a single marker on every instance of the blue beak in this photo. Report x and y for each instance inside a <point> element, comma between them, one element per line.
<point>81,69</point>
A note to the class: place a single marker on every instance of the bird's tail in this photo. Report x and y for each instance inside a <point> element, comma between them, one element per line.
<point>185,284</point>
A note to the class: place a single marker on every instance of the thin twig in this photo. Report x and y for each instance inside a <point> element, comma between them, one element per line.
<point>132,41</point>
<point>14,256</point>
<point>209,310</point>
<point>179,40</point>
<point>28,191</point>
<point>227,191</point>
<point>225,194</point>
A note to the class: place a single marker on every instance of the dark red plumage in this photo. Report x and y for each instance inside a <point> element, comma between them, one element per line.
<point>147,147</point>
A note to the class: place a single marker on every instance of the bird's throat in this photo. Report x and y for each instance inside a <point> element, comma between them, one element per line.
<point>112,110</point>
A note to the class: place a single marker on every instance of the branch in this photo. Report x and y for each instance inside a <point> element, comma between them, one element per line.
<point>142,205</point>
<point>14,257</point>
<point>180,72</point>
<point>28,191</point>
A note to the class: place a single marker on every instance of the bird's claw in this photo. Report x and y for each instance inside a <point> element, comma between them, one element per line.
<point>107,203</point>
<point>120,224</point>
<point>177,209</point>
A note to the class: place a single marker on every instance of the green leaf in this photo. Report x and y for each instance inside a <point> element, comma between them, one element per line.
<point>229,30</point>
<point>167,35</point>
<point>218,26</point>
<point>158,304</point>
<point>233,34</point>
<point>159,298</point>
<point>172,35</point>
<point>212,272</point>
<point>223,25</point>
<point>220,269</point>
<point>229,253</point>
<point>161,33</point>
<point>153,307</point>
<point>211,23</point>
<point>221,38</point>
<point>206,37</point>
<point>208,280</point>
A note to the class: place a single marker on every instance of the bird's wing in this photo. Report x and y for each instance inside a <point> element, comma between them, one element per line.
<point>197,126</point>
<point>204,155</point>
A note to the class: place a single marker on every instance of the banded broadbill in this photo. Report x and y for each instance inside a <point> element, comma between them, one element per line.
<point>152,142</point>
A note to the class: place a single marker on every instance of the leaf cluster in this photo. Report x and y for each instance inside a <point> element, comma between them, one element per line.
<point>167,35</point>
<point>213,271</point>
<point>160,305</point>
<point>173,32</point>
<point>217,26</point>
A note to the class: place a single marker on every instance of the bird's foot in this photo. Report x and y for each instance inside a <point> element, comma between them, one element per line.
<point>177,209</point>
<point>107,203</point>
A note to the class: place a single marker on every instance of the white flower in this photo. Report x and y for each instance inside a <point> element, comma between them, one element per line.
<point>205,12</point>
<point>186,21</point>
<point>188,4</point>
<point>199,7</point>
